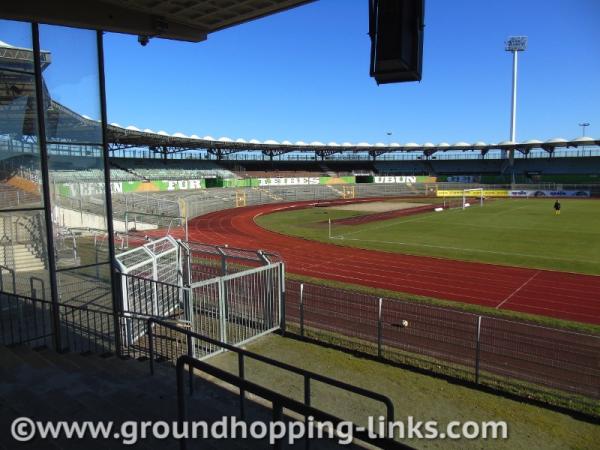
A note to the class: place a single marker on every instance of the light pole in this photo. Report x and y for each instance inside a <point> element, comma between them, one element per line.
<point>583,125</point>
<point>514,44</point>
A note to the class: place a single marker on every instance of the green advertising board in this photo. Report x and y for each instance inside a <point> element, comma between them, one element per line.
<point>87,189</point>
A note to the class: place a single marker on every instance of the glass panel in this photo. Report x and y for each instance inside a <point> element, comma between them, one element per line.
<point>15,46</point>
<point>72,87</point>
<point>20,185</point>
<point>23,254</point>
<point>79,207</point>
<point>75,152</point>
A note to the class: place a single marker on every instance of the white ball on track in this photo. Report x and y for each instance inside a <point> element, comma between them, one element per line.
<point>405,323</point>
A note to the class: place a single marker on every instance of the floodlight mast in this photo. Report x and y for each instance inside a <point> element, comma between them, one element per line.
<point>583,125</point>
<point>515,44</point>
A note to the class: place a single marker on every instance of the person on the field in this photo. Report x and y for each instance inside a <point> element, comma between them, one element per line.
<point>557,208</point>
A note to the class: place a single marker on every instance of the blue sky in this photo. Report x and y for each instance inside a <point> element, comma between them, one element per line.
<point>303,75</point>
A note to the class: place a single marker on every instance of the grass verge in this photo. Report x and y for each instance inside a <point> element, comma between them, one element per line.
<point>420,396</point>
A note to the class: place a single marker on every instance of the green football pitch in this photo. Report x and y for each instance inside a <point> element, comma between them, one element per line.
<point>520,232</point>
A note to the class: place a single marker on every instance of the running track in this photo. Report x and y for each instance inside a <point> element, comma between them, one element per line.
<point>555,294</point>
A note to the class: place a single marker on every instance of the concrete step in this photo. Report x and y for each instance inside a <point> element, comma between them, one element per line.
<point>9,359</point>
<point>30,263</point>
<point>18,251</point>
<point>49,386</point>
<point>25,258</point>
<point>29,357</point>
<point>21,252</point>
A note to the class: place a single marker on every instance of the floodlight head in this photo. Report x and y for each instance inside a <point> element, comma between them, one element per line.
<point>516,44</point>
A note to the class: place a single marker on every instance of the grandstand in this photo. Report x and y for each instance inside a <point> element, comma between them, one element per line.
<point>95,254</point>
<point>149,169</point>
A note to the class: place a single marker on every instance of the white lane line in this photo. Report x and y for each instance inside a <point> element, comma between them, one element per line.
<point>518,289</point>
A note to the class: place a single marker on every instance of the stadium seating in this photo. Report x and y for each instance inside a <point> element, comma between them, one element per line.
<point>152,169</point>
<point>11,197</point>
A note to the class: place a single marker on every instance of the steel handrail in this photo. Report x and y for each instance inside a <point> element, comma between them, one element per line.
<point>242,353</point>
<point>148,280</point>
<point>279,401</point>
<point>281,365</point>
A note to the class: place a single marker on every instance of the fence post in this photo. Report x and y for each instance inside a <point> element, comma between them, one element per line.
<point>190,353</point>
<point>150,345</point>
<point>477,350</point>
<point>241,374</point>
<point>379,330</point>
<point>302,309</point>
<point>307,403</point>
<point>155,310</point>
<point>222,318</point>
<point>126,226</point>
<point>223,265</point>
<point>282,298</point>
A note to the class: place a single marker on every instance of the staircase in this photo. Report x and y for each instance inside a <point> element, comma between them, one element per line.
<point>336,191</point>
<point>44,385</point>
<point>324,168</point>
<point>268,193</point>
<point>20,258</point>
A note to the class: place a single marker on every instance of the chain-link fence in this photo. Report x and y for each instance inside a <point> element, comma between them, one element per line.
<point>478,348</point>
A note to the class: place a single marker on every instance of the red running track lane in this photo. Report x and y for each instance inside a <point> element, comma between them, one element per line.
<point>555,294</point>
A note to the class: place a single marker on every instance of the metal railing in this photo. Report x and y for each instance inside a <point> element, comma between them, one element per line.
<point>24,320</point>
<point>147,297</point>
<point>238,308</point>
<point>65,244</point>
<point>279,401</point>
<point>29,230</point>
<point>27,320</point>
<point>477,348</point>
<point>13,278</point>
<point>206,261</point>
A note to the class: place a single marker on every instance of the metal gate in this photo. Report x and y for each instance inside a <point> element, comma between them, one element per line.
<point>234,308</point>
<point>151,283</point>
<point>237,308</point>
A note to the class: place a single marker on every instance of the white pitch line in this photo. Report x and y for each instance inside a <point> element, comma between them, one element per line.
<point>464,249</point>
<point>395,223</point>
<point>501,227</point>
<point>517,290</point>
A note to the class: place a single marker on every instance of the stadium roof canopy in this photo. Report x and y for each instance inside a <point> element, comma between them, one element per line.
<point>129,137</point>
<point>186,20</point>
<point>71,129</point>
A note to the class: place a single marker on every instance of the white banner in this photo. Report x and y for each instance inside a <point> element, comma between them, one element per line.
<point>548,193</point>
<point>399,180</point>
<point>288,181</point>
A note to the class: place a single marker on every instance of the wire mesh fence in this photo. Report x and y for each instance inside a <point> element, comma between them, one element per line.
<point>237,308</point>
<point>481,349</point>
<point>207,261</point>
<point>24,320</point>
<point>28,321</point>
<point>156,260</point>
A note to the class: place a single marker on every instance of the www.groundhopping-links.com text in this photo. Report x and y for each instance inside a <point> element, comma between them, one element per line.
<point>25,429</point>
